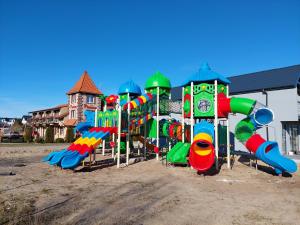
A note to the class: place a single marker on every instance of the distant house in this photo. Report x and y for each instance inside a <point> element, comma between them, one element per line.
<point>26,119</point>
<point>6,121</point>
<point>279,89</point>
<point>83,96</point>
<point>55,117</point>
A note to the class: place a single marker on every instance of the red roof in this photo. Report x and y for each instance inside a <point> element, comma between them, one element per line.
<point>85,85</point>
<point>52,108</point>
<point>70,122</point>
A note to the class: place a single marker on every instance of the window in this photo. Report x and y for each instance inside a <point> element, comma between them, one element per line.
<point>90,99</point>
<point>73,114</point>
<point>204,105</point>
<point>291,137</point>
<point>73,98</point>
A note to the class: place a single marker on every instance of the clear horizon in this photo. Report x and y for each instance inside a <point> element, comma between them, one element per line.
<point>46,46</point>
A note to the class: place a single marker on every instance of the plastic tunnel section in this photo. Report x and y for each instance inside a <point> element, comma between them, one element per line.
<point>202,151</point>
<point>258,116</point>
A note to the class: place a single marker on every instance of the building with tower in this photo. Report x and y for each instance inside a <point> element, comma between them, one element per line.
<point>84,95</point>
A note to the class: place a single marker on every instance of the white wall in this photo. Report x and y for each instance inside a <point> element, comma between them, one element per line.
<point>284,104</point>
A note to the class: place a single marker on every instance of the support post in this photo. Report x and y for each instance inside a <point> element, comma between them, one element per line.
<point>128,130</point>
<point>96,118</point>
<point>182,114</point>
<point>113,148</point>
<point>228,136</point>
<point>103,147</point>
<point>192,112</point>
<point>119,133</point>
<point>216,124</point>
<point>157,121</point>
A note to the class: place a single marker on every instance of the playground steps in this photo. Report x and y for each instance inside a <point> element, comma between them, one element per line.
<point>149,146</point>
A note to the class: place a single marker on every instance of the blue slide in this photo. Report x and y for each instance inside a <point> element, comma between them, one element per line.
<point>269,153</point>
<point>71,161</point>
<point>55,158</point>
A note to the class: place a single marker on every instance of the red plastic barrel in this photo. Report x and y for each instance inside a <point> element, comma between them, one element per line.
<point>254,142</point>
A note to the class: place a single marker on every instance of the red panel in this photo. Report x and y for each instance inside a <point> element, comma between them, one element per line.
<point>223,105</point>
<point>188,98</point>
<point>179,133</point>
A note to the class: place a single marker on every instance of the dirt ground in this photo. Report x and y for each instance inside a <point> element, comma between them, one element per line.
<point>143,193</point>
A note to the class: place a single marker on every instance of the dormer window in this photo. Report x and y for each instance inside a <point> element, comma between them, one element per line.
<point>90,99</point>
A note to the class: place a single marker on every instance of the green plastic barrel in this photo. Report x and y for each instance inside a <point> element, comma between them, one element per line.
<point>244,130</point>
<point>242,105</point>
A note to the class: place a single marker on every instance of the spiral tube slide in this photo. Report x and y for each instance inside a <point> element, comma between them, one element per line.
<point>202,151</point>
<point>258,116</point>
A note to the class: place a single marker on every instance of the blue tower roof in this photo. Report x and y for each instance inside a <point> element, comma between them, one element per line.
<point>129,87</point>
<point>206,74</point>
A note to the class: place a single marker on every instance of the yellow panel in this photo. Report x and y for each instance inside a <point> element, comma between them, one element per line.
<point>203,136</point>
<point>134,104</point>
<point>143,98</point>
<point>82,140</point>
<point>78,140</point>
<point>203,152</point>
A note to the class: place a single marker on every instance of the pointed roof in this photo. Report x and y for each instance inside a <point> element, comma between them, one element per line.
<point>85,85</point>
<point>206,74</point>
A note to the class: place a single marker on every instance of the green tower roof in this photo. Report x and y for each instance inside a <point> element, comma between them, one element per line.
<point>158,80</point>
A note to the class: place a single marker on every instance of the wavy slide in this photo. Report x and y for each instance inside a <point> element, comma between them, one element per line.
<point>72,157</point>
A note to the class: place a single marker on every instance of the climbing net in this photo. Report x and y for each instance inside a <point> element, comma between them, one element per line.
<point>175,107</point>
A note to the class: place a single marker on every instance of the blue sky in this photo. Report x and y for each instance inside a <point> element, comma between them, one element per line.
<point>46,45</point>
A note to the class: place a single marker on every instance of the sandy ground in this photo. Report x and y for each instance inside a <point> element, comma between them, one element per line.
<point>144,193</point>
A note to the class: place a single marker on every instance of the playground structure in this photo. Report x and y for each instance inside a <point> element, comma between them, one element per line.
<point>195,139</point>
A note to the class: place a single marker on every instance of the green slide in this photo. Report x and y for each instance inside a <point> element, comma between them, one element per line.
<point>178,153</point>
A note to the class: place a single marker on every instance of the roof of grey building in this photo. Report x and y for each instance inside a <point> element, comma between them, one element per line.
<point>286,77</point>
<point>280,78</point>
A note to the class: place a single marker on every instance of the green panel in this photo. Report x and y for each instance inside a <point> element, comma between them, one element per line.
<point>124,97</point>
<point>222,138</point>
<point>222,88</point>
<point>122,147</point>
<point>187,103</point>
<point>204,105</point>
<point>165,129</point>
<point>187,90</point>
<point>162,91</point>
<point>204,87</point>
<point>187,106</point>
<point>151,125</point>
<point>242,105</point>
